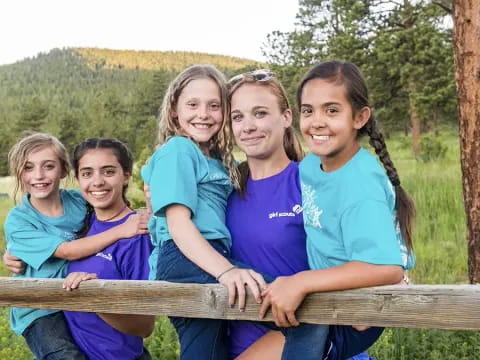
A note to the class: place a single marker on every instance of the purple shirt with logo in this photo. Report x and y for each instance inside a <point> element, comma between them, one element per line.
<point>127,259</point>
<point>267,234</point>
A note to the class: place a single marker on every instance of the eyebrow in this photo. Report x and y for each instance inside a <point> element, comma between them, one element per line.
<point>322,105</point>
<point>102,168</point>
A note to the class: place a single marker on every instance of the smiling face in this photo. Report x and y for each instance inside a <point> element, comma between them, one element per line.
<point>328,124</point>
<point>199,110</point>
<point>41,174</point>
<point>257,121</point>
<point>101,179</point>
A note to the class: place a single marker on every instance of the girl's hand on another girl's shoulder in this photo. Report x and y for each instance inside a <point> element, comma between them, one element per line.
<point>236,280</point>
<point>13,264</point>
<point>284,296</point>
<point>136,224</point>
<point>73,280</point>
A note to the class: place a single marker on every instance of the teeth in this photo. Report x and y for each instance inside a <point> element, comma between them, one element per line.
<point>202,126</point>
<point>40,186</point>
<point>320,137</point>
<point>98,193</point>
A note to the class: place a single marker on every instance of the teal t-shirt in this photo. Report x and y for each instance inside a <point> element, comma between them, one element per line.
<point>34,237</point>
<point>349,214</point>
<point>179,173</point>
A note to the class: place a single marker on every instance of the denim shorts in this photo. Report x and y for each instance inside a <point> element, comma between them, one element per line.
<point>49,338</point>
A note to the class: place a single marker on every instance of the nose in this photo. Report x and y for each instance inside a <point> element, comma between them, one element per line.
<point>38,173</point>
<point>98,180</point>
<point>203,111</point>
<point>318,121</point>
<point>249,124</point>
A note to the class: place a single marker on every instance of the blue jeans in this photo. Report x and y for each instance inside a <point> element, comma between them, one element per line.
<point>205,339</point>
<point>49,338</point>
<point>345,342</point>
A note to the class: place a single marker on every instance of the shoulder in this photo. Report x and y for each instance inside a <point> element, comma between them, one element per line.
<point>367,177</point>
<point>72,196</point>
<point>179,144</point>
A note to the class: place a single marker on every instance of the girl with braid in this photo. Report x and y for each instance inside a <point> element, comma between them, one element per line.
<point>358,219</point>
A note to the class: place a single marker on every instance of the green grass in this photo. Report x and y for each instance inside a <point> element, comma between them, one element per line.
<point>440,247</point>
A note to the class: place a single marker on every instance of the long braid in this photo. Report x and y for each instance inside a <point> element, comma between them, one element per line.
<point>404,204</point>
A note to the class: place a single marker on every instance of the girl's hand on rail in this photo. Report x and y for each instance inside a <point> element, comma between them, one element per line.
<point>73,280</point>
<point>13,264</point>
<point>284,296</point>
<point>236,280</point>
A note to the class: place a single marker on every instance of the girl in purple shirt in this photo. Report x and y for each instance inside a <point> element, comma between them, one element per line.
<point>103,168</point>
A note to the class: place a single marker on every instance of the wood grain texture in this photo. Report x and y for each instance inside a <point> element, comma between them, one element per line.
<point>452,307</point>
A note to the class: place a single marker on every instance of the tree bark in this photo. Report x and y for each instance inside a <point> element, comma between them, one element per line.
<point>415,123</point>
<point>467,75</point>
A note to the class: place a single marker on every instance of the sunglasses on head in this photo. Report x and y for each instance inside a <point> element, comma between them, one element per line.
<point>257,75</point>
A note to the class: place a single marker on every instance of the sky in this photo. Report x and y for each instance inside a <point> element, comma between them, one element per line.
<point>226,27</point>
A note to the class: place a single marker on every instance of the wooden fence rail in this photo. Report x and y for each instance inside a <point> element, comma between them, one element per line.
<point>450,307</point>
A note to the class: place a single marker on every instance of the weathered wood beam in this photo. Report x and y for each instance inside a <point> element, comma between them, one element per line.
<point>452,307</point>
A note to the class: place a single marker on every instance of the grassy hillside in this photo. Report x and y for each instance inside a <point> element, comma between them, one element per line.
<point>156,60</point>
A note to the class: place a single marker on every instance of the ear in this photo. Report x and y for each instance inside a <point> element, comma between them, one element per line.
<point>361,117</point>
<point>127,178</point>
<point>287,116</point>
<point>173,114</point>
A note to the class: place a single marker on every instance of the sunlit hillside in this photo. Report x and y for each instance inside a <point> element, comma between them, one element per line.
<point>156,60</point>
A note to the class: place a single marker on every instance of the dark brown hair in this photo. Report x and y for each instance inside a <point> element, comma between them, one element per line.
<point>121,153</point>
<point>350,76</point>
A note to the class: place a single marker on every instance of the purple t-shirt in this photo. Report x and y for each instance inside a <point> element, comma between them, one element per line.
<point>127,259</point>
<point>267,234</point>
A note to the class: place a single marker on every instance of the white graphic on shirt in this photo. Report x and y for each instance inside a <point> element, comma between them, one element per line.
<point>311,212</point>
<point>297,209</point>
<point>105,256</point>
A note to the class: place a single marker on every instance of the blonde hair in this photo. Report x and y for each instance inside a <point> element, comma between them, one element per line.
<point>221,144</point>
<point>18,156</point>
<point>291,143</point>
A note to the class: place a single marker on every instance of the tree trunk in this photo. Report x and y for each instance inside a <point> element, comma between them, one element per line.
<point>415,122</point>
<point>467,63</point>
<point>436,125</point>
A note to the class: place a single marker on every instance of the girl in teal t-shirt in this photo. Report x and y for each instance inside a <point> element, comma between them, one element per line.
<point>357,216</point>
<point>41,230</point>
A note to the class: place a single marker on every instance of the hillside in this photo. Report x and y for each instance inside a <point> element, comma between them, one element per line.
<point>80,92</point>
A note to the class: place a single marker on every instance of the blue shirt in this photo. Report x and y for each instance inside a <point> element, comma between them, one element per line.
<point>34,238</point>
<point>123,260</point>
<point>349,214</point>
<point>179,173</point>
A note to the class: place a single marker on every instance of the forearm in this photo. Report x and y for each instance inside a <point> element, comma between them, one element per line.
<point>352,275</point>
<point>80,248</point>
<point>191,242</point>
<point>137,325</point>
<point>198,250</point>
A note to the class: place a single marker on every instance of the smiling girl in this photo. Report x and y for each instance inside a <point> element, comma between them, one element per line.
<point>103,168</point>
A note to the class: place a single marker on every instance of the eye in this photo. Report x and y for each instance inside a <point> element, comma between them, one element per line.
<point>237,117</point>
<point>305,111</point>
<point>49,166</point>
<point>28,168</point>
<point>215,106</point>
<point>192,104</point>
<point>109,172</point>
<point>331,110</point>
<point>260,113</point>
<point>85,174</point>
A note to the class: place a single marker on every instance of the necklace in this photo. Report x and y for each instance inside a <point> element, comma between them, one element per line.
<point>114,216</point>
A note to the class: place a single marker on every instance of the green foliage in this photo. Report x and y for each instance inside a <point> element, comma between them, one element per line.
<point>163,344</point>
<point>432,148</point>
